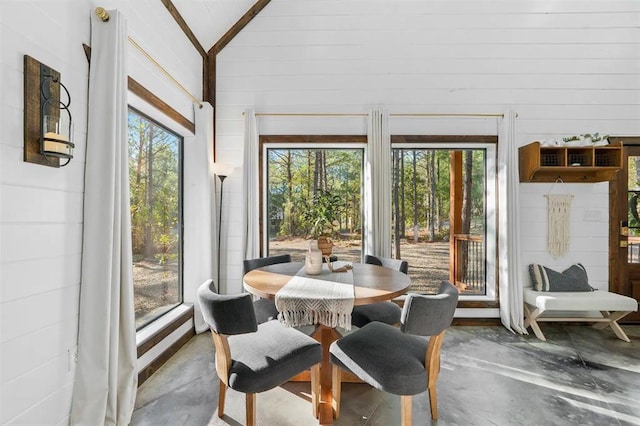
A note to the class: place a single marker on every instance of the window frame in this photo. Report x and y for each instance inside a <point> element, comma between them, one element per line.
<point>490,145</point>
<point>304,142</point>
<point>164,124</point>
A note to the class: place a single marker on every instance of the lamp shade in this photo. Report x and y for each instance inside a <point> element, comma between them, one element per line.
<point>223,169</point>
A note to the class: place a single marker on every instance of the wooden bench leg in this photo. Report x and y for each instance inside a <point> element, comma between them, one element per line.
<point>530,320</point>
<point>613,323</point>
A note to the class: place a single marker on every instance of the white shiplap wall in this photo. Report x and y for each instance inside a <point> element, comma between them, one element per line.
<point>41,221</point>
<point>588,229</point>
<point>567,67</point>
<point>41,207</point>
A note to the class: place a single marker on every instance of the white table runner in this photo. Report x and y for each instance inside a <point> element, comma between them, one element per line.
<point>325,299</point>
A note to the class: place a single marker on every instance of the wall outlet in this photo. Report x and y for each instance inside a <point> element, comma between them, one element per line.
<point>72,357</point>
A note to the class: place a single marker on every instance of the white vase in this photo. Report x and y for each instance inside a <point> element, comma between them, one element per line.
<point>313,260</point>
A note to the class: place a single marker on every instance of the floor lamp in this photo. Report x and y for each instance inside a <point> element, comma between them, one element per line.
<point>222,170</point>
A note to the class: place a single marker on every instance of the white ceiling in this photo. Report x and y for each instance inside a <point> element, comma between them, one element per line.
<point>210,19</point>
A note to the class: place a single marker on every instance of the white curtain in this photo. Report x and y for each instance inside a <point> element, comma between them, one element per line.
<point>250,191</point>
<point>378,185</point>
<point>200,211</point>
<point>510,273</point>
<point>106,374</point>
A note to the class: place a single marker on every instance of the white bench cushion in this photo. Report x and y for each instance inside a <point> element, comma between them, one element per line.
<point>580,301</point>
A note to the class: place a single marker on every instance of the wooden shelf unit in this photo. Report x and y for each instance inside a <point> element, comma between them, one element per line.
<point>569,163</point>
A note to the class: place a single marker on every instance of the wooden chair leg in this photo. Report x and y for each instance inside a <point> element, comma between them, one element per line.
<point>251,409</point>
<point>221,396</point>
<point>432,364</point>
<point>405,403</point>
<point>433,402</point>
<point>336,389</point>
<point>315,389</point>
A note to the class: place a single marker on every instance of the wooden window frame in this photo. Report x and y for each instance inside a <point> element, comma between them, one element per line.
<point>298,141</point>
<point>452,140</point>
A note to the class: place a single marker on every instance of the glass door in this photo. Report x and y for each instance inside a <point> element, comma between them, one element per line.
<point>624,268</point>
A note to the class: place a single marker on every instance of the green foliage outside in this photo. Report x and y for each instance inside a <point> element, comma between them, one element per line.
<point>154,191</point>
<point>633,181</point>
<point>322,213</point>
<point>314,191</point>
<point>422,180</point>
<point>319,191</point>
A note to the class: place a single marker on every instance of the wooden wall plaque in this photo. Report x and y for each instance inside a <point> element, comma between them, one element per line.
<point>33,98</point>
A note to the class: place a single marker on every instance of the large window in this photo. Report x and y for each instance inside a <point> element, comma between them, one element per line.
<point>443,205</point>
<point>313,191</point>
<point>155,175</point>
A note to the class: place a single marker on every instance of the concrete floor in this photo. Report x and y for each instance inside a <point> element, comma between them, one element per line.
<point>580,376</point>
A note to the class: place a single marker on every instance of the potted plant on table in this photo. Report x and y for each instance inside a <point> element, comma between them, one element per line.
<point>322,213</point>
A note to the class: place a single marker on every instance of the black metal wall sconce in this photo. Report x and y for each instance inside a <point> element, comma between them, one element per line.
<point>47,119</point>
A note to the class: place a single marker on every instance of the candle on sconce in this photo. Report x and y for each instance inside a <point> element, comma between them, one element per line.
<point>58,143</point>
<point>52,136</point>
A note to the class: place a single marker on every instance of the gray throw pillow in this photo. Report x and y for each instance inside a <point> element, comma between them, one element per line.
<point>573,278</point>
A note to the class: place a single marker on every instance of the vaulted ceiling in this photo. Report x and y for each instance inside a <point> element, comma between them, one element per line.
<point>211,19</point>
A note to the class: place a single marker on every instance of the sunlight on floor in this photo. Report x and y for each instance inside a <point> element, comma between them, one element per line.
<point>526,376</point>
<point>607,412</point>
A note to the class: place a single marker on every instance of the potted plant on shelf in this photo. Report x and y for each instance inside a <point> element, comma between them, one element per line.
<point>586,139</point>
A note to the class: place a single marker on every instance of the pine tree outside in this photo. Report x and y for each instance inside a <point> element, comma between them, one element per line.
<point>155,169</point>
<point>421,194</point>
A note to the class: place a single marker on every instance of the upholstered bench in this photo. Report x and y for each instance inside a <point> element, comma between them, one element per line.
<point>612,307</point>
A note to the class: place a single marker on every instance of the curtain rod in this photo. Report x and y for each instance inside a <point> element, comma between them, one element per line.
<point>426,114</point>
<point>308,114</point>
<point>104,16</point>
<point>451,114</point>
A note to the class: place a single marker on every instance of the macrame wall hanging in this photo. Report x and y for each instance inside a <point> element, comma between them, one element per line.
<point>558,211</point>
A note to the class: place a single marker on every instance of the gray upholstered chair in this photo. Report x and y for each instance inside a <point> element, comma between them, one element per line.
<point>386,312</point>
<point>265,308</point>
<point>252,358</point>
<point>399,360</point>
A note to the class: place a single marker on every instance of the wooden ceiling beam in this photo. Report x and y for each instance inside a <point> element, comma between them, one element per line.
<point>209,64</point>
<point>209,90</point>
<point>185,27</point>
<point>239,26</point>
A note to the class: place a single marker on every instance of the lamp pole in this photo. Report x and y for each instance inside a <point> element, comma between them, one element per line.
<point>222,170</point>
<point>222,178</point>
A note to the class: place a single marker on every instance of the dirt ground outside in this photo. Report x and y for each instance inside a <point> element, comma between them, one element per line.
<point>156,288</point>
<point>428,261</point>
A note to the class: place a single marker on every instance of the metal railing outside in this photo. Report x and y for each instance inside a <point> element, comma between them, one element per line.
<point>469,263</point>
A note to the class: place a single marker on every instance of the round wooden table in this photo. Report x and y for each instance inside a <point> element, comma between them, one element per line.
<point>372,284</point>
